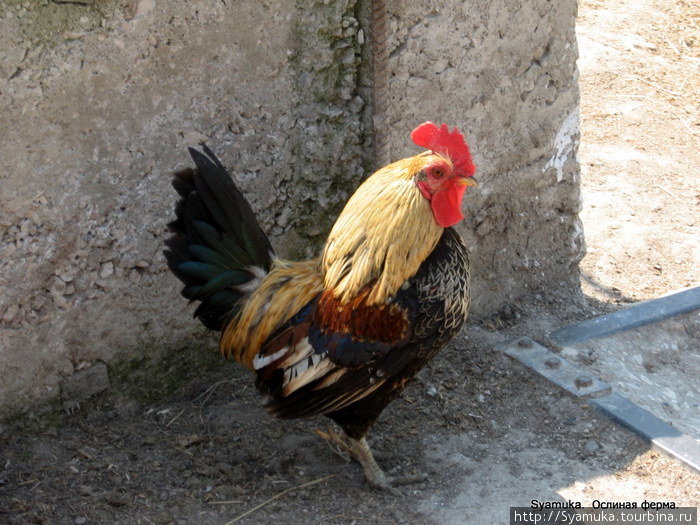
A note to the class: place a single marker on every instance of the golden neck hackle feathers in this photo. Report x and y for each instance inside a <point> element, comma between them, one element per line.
<point>380,239</point>
<point>383,234</point>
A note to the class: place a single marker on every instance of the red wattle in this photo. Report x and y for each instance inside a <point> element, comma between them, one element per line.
<point>447,205</point>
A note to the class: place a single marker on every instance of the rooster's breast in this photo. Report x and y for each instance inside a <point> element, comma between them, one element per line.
<point>437,297</point>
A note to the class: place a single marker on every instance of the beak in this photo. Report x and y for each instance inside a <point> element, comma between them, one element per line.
<point>467,181</point>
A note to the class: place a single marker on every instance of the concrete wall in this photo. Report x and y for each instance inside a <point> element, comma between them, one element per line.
<point>98,101</point>
<point>504,72</point>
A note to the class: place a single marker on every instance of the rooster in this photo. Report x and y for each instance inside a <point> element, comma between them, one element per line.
<point>340,334</point>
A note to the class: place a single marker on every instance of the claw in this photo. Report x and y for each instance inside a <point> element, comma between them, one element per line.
<point>398,481</point>
<point>336,441</point>
<point>359,450</point>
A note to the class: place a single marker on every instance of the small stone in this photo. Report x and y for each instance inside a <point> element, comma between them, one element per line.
<point>58,287</point>
<point>80,520</point>
<point>163,518</point>
<point>38,302</point>
<point>116,500</point>
<point>106,269</point>
<point>10,313</point>
<point>356,104</point>
<point>569,353</point>
<point>230,491</point>
<point>86,490</point>
<point>191,439</point>
<point>134,276</point>
<point>346,93</point>
<point>440,65</point>
<point>73,35</point>
<point>67,274</point>
<point>225,468</point>
<point>592,446</point>
<point>143,264</point>
<point>140,8</point>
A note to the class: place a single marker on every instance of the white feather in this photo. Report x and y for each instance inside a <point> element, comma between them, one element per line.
<point>258,275</point>
<point>262,361</point>
<point>297,380</point>
<point>301,351</point>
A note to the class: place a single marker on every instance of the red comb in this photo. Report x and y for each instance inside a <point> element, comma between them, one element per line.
<point>445,142</point>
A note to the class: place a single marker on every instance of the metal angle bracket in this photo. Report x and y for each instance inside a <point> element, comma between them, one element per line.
<point>633,316</point>
<point>599,395</point>
<point>650,427</point>
<point>554,368</point>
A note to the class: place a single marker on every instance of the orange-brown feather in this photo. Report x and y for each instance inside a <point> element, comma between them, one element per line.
<point>285,290</point>
<point>386,323</point>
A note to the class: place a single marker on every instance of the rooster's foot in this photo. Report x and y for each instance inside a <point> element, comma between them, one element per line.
<point>359,450</point>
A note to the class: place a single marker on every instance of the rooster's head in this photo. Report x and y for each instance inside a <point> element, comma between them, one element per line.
<point>446,170</point>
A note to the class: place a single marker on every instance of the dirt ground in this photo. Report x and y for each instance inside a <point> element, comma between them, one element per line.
<point>489,434</point>
<point>640,102</point>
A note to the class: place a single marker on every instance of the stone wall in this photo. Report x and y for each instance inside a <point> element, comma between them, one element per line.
<point>100,99</point>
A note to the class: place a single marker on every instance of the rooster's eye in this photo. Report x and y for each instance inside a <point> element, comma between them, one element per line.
<point>437,173</point>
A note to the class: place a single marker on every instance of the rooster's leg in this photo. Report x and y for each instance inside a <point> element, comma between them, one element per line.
<point>359,450</point>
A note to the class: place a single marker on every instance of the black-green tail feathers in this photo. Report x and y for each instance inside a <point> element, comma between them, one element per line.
<point>217,244</point>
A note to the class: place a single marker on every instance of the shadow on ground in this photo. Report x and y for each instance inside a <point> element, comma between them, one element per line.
<point>489,434</point>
